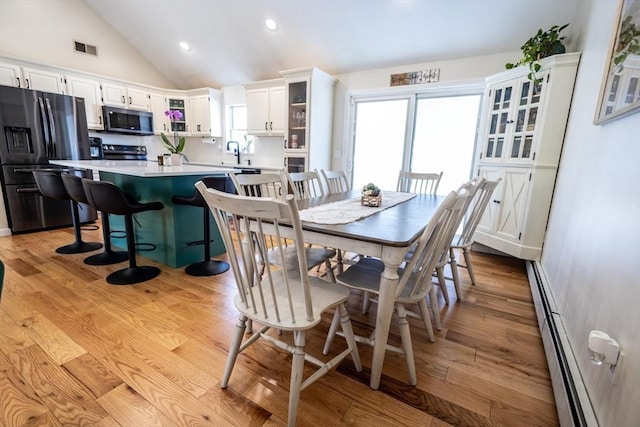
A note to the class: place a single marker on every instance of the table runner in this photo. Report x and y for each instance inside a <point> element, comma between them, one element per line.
<point>346,211</point>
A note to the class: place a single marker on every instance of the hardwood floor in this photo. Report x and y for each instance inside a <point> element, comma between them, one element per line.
<point>75,351</point>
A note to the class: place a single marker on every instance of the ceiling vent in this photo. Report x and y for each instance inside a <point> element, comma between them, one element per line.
<point>86,48</point>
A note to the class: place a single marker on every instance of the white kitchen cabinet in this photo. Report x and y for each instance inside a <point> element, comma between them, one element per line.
<point>125,97</point>
<point>11,75</point>
<point>206,113</point>
<point>158,105</point>
<point>266,108</point>
<point>309,97</point>
<point>90,91</point>
<point>29,77</point>
<point>44,80</point>
<point>521,140</point>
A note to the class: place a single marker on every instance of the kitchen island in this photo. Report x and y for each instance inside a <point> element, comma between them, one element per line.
<point>172,229</point>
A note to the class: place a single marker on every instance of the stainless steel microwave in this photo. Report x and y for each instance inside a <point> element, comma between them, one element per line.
<point>129,122</point>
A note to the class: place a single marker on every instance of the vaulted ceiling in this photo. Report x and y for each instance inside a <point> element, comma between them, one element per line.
<point>231,45</point>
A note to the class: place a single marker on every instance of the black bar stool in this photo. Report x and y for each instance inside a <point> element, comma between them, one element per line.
<point>73,185</point>
<point>50,185</point>
<point>207,267</point>
<point>109,199</point>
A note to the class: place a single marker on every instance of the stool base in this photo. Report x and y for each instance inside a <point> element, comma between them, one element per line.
<point>132,275</point>
<point>207,268</point>
<point>107,258</point>
<point>79,247</point>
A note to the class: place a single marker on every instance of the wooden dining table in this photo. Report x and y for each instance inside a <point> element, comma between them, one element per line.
<point>388,235</point>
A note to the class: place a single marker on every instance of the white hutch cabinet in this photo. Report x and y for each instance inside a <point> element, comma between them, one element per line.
<point>309,97</point>
<point>266,108</point>
<point>521,140</point>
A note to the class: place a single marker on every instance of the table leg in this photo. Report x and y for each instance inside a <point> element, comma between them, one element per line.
<point>392,258</point>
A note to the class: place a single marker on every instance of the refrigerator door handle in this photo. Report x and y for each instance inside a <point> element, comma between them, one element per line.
<point>28,190</point>
<point>45,126</point>
<point>52,126</point>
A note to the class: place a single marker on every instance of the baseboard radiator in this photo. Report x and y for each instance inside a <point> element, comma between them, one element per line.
<point>572,400</point>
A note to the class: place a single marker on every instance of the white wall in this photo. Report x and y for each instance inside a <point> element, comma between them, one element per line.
<point>44,31</point>
<point>591,250</point>
<point>377,81</point>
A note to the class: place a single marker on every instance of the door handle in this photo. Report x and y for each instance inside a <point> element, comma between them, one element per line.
<point>28,84</point>
<point>28,190</point>
<point>129,100</point>
<point>496,201</point>
<point>270,125</point>
<point>18,79</point>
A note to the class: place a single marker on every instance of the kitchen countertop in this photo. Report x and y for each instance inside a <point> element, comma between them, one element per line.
<point>142,168</point>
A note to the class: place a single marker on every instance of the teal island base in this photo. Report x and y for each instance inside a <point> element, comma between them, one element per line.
<point>173,229</point>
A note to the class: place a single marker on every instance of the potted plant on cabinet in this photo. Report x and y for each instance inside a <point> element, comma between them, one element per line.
<point>541,45</point>
<point>177,146</point>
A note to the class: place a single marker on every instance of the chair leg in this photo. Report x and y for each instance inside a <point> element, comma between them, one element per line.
<point>78,246</point>
<point>442,282</point>
<point>297,371</point>
<point>434,307</point>
<point>366,302</point>
<point>332,332</point>
<point>234,351</point>
<point>454,273</point>
<point>424,312</point>
<point>467,260</point>
<point>347,328</point>
<point>330,273</point>
<point>405,335</point>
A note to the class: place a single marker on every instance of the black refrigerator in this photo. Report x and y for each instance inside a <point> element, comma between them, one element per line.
<point>36,127</point>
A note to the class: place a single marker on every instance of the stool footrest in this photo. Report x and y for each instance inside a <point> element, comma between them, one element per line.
<point>145,247</point>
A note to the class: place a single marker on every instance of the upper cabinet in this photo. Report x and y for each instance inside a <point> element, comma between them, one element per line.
<point>90,91</point>
<point>266,108</point>
<point>118,95</point>
<point>158,105</point>
<point>11,75</point>
<point>520,142</point>
<point>29,77</point>
<point>309,97</point>
<point>205,113</point>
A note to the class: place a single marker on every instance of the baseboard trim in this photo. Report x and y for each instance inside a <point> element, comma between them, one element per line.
<point>572,400</point>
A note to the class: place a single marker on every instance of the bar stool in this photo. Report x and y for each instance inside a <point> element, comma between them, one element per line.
<point>109,199</point>
<point>73,185</point>
<point>50,185</point>
<point>207,267</point>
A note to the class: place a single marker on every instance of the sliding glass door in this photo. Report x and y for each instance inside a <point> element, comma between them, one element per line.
<point>380,133</point>
<point>444,138</point>
<point>417,133</point>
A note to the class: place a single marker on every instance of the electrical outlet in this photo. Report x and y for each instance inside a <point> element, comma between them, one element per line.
<point>337,154</point>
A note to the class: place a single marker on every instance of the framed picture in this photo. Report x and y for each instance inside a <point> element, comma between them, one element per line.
<point>620,92</point>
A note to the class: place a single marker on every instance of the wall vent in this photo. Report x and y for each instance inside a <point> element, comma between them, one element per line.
<point>86,48</point>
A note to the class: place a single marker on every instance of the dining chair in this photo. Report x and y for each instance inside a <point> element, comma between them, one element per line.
<point>275,185</point>
<point>284,299</point>
<point>335,181</point>
<point>464,240</point>
<point>420,183</point>
<point>268,184</point>
<point>415,278</point>
<point>472,188</point>
<point>305,185</point>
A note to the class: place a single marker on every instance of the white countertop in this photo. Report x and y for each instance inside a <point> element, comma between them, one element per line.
<point>142,168</point>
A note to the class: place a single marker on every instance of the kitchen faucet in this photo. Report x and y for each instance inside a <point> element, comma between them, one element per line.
<point>236,150</point>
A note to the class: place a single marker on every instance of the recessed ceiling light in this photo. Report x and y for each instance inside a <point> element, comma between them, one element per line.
<point>271,24</point>
<point>185,46</point>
